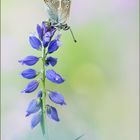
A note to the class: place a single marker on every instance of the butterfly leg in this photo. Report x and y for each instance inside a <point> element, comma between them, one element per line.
<point>72,35</point>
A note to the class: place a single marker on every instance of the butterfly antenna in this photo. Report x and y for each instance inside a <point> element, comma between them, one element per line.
<point>73,35</point>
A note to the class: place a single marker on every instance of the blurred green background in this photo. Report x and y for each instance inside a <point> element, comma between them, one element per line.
<point>101,71</point>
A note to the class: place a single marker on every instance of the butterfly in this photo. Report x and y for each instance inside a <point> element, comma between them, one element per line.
<point>59,11</point>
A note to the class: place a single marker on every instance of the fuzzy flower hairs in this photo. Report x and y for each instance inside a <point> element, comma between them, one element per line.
<point>47,42</point>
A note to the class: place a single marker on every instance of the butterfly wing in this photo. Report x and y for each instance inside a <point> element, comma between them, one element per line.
<point>58,10</point>
<point>65,10</point>
<point>52,7</point>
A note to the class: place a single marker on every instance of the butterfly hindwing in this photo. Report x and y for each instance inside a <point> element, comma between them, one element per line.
<point>65,5</point>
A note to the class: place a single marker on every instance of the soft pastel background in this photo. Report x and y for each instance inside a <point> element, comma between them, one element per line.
<point>101,70</point>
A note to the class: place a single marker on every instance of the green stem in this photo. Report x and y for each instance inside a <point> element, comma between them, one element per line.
<point>43,92</point>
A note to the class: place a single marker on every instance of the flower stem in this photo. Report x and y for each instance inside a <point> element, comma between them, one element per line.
<point>43,122</point>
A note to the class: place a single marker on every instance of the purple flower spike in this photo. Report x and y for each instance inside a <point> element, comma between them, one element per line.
<point>47,42</point>
<point>36,119</point>
<point>54,77</point>
<point>39,31</point>
<point>56,98</point>
<point>31,87</point>
<point>29,73</point>
<point>33,106</point>
<point>29,60</point>
<point>51,61</point>
<point>52,113</point>
<point>35,42</point>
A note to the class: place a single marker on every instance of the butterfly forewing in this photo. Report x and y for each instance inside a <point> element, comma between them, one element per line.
<point>52,7</point>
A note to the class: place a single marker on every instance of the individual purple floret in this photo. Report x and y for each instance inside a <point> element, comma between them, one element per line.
<point>29,60</point>
<point>54,45</point>
<point>34,106</point>
<point>29,73</point>
<point>56,97</point>
<point>52,113</point>
<point>39,31</point>
<point>51,61</point>
<point>35,42</point>
<point>46,39</point>
<point>31,87</point>
<point>54,77</point>
<point>36,119</point>
<point>44,27</point>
